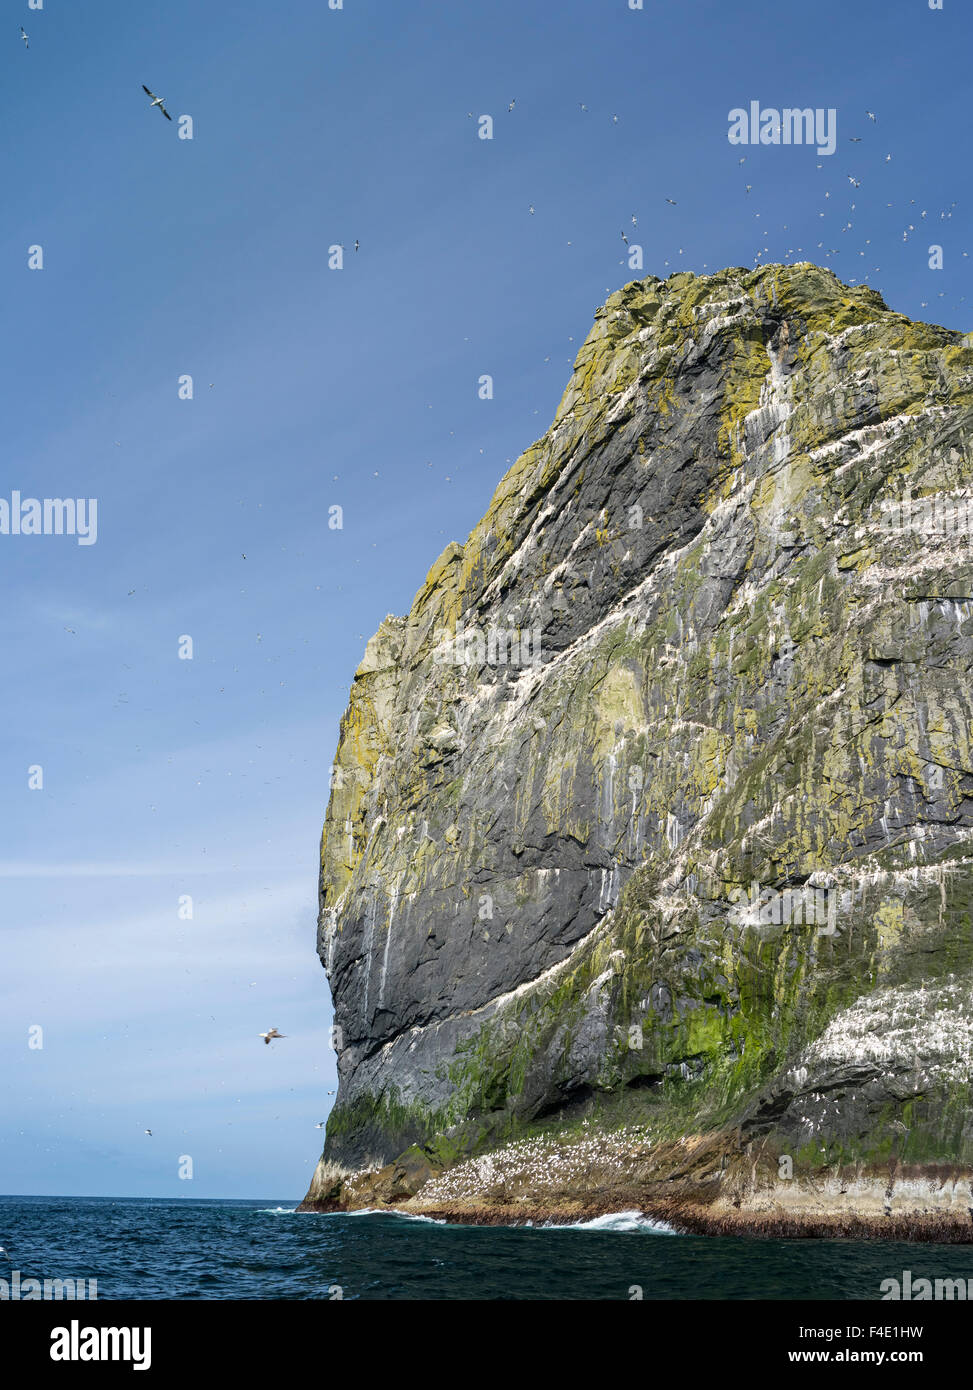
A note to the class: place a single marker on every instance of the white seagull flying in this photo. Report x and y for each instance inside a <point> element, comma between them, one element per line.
<point>157,101</point>
<point>271,1033</point>
<point>23,35</point>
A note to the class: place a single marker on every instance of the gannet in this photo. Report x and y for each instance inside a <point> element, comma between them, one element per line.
<point>157,101</point>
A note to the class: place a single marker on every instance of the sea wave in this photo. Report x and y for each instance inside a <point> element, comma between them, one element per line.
<point>391,1211</point>
<point>628,1222</point>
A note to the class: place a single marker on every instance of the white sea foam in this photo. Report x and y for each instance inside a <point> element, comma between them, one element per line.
<point>391,1211</point>
<point>627,1222</point>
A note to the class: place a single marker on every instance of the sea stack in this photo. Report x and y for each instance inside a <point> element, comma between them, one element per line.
<point>646,874</point>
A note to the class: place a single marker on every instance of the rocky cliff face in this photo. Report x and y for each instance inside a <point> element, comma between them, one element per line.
<point>656,809</point>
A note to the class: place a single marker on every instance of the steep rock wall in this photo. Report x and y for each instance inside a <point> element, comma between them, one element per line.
<point>699,854</point>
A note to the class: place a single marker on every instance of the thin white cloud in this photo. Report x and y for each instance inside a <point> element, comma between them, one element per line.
<point>91,869</point>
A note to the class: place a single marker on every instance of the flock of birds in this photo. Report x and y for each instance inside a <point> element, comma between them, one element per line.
<point>829,252</point>
<point>764,251</point>
<point>854,183</point>
<point>823,254</point>
<point>545,1167</point>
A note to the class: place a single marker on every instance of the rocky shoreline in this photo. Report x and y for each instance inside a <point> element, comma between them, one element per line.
<point>684,1218</point>
<point>715,1185</point>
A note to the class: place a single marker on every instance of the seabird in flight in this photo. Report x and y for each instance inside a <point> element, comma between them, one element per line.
<point>271,1033</point>
<point>149,1132</point>
<point>157,101</point>
<point>23,35</point>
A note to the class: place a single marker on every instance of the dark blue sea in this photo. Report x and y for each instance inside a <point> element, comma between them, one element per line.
<point>177,1249</point>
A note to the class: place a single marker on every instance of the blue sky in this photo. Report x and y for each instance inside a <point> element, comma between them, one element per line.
<point>354,387</point>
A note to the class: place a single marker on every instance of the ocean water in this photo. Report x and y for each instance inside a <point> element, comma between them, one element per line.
<point>178,1249</point>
